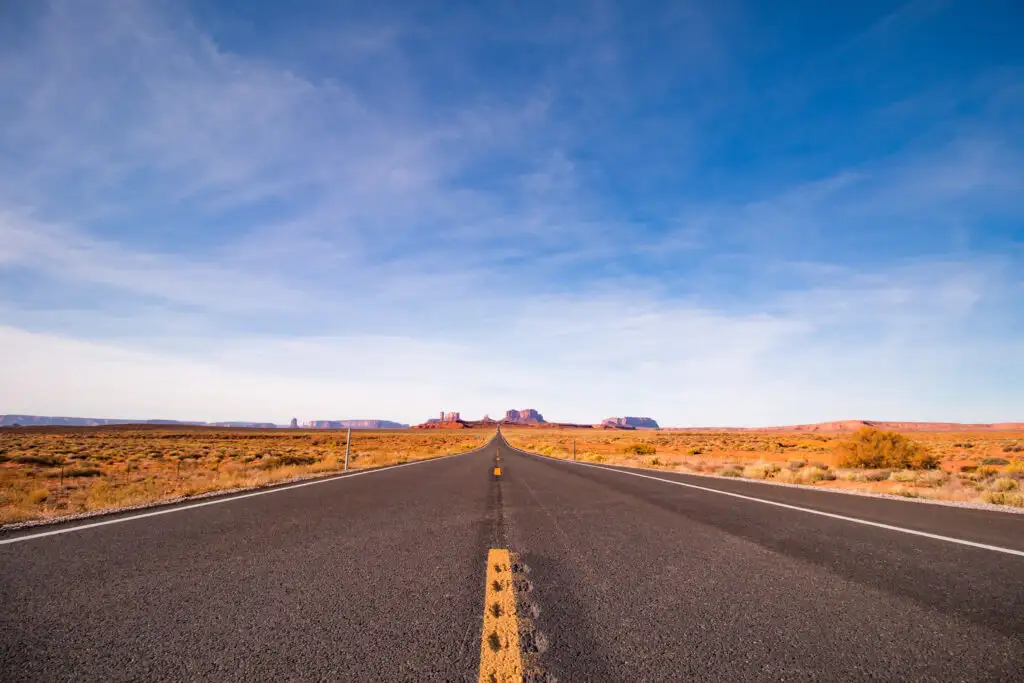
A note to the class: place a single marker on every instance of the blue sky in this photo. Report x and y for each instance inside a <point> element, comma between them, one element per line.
<point>710,213</point>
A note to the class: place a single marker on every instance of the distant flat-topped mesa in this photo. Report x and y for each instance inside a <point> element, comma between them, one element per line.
<point>354,424</point>
<point>634,422</point>
<point>527,416</point>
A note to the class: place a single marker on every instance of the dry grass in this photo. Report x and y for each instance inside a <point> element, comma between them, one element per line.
<point>49,472</point>
<point>985,467</point>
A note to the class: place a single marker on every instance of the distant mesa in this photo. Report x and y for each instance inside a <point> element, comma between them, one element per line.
<point>354,424</point>
<point>49,421</point>
<point>43,421</point>
<point>294,424</point>
<point>453,420</point>
<point>527,416</point>
<point>630,422</point>
<point>251,425</point>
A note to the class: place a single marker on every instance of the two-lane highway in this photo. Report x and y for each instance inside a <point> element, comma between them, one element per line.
<point>627,578</point>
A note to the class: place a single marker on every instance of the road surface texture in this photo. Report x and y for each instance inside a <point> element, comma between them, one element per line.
<point>380,577</point>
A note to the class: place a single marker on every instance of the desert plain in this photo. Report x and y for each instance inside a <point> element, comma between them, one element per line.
<point>53,472</point>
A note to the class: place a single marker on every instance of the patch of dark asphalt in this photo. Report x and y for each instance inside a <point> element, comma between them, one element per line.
<point>641,580</point>
<point>374,578</point>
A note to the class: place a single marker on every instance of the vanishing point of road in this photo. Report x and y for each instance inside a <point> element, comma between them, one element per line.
<point>620,575</point>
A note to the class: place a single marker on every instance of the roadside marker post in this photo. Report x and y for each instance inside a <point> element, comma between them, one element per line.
<point>348,447</point>
<point>574,449</point>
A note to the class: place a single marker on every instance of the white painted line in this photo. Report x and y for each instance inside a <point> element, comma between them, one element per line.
<point>855,520</point>
<point>217,501</point>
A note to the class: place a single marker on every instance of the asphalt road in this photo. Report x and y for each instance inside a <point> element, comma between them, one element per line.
<point>625,578</point>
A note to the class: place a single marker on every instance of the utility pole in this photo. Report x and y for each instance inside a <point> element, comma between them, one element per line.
<point>348,447</point>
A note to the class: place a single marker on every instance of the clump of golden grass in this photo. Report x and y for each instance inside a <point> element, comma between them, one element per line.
<point>940,465</point>
<point>49,472</point>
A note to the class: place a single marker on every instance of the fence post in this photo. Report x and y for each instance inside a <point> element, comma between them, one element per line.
<point>348,446</point>
<point>574,449</point>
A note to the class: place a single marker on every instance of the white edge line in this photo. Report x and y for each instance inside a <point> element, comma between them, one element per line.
<point>226,499</point>
<point>855,520</point>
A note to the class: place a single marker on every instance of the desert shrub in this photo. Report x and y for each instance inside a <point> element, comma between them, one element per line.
<point>1003,498</point>
<point>1004,484</point>
<point>45,460</point>
<point>809,475</point>
<point>653,462</point>
<point>905,492</point>
<point>730,472</point>
<point>987,470</point>
<point>850,475</point>
<point>83,472</point>
<point>995,461</point>
<point>292,459</point>
<point>694,451</point>
<point>903,476</point>
<point>786,476</point>
<point>761,470</point>
<point>37,496</point>
<point>967,469</point>
<point>966,444</point>
<point>640,449</point>
<point>1013,448</point>
<point>796,464</point>
<point>932,478</point>
<point>873,448</point>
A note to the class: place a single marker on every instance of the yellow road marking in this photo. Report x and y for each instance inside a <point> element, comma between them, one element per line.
<point>497,471</point>
<point>500,659</point>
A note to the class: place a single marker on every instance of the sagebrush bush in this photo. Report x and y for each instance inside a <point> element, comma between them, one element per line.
<point>995,461</point>
<point>37,496</point>
<point>761,470</point>
<point>1004,484</point>
<point>873,448</point>
<point>809,475</point>
<point>1003,498</point>
<point>640,449</point>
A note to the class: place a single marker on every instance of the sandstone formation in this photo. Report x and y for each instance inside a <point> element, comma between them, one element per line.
<point>527,416</point>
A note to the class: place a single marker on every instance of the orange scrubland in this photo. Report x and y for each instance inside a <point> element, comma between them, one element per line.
<point>984,466</point>
<point>50,472</point>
